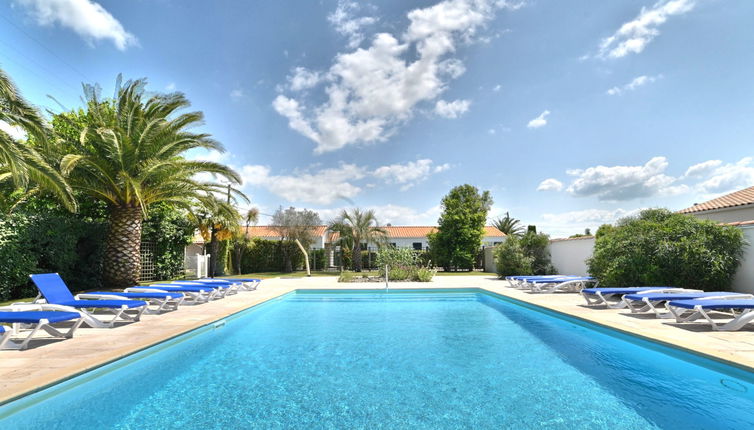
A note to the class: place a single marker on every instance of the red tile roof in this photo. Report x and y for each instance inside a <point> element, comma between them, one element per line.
<point>572,238</point>
<point>739,198</point>
<point>266,231</point>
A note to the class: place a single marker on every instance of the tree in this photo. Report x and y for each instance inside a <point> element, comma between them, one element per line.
<point>217,221</point>
<point>534,246</point>
<point>129,154</point>
<point>291,225</point>
<point>659,247</point>
<point>510,259</point>
<point>461,227</point>
<point>508,225</point>
<point>358,227</point>
<point>20,162</point>
<point>241,241</point>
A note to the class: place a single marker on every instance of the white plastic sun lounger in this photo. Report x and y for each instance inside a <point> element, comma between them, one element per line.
<point>612,297</point>
<point>558,285</point>
<point>656,301</point>
<point>35,318</point>
<point>161,301</point>
<point>246,284</point>
<point>193,294</point>
<point>57,296</point>
<point>741,310</point>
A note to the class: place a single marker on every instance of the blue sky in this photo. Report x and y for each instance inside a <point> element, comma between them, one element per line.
<point>571,113</point>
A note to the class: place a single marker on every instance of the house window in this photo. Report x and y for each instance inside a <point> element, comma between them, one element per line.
<point>417,246</point>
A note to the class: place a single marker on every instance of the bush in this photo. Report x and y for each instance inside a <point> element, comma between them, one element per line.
<point>510,259</point>
<point>170,230</point>
<point>395,258</point>
<point>659,247</point>
<point>346,276</point>
<point>535,246</point>
<point>424,274</point>
<point>400,274</point>
<point>263,255</point>
<point>49,242</point>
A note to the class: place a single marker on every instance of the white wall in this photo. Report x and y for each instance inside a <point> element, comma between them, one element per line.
<point>727,215</point>
<point>569,256</point>
<point>744,280</point>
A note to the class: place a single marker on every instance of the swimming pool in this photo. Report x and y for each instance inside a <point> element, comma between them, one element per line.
<point>435,360</point>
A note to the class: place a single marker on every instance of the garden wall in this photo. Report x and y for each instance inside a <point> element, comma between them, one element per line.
<point>569,256</point>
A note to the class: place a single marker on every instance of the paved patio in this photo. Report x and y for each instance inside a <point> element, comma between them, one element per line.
<point>48,362</point>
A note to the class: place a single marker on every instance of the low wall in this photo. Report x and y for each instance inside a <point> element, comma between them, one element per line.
<point>569,255</point>
<point>744,280</point>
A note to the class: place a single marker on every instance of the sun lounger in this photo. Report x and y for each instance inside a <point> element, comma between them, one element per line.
<point>741,310</point>
<point>247,284</point>
<point>37,320</point>
<point>612,296</point>
<point>55,293</point>
<point>162,300</point>
<point>656,301</point>
<point>562,284</point>
<point>519,281</point>
<point>224,288</point>
<point>193,294</point>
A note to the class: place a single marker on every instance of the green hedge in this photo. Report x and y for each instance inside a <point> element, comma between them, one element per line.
<point>659,247</point>
<point>171,231</point>
<point>49,243</point>
<point>263,255</point>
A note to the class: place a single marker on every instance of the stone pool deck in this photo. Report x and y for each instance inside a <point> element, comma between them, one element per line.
<point>47,362</point>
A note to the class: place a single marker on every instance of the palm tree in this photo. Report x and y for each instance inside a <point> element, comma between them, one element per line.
<point>358,227</point>
<point>20,162</point>
<point>130,155</point>
<point>508,225</point>
<point>217,220</point>
<point>241,240</point>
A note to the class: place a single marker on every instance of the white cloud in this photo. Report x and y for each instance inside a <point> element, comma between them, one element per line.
<point>170,87</point>
<point>539,121</point>
<point>625,182</point>
<point>496,88</point>
<point>409,174</point>
<point>550,184</point>
<point>727,178</point>
<point>347,24</point>
<point>372,91</point>
<point>303,79</point>
<point>702,169</point>
<point>323,187</point>
<point>87,18</point>
<point>491,131</point>
<point>565,224</point>
<point>634,84</point>
<point>391,214</point>
<point>13,131</point>
<point>237,94</point>
<point>633,36</point>
<point>452,109</point>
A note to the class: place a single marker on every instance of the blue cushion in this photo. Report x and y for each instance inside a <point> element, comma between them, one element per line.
<point>179,288</point>
<point>104,303</point>
<point>620,290</point>
<point>676,296</point>
<point>557,280</point>
<point>141,295</point>
<point>212,285</point>
<point>714,304</point>
<point>33,317</point>
<point>52,287</point>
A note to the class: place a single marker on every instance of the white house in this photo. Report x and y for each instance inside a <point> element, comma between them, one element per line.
<point>735,207</point>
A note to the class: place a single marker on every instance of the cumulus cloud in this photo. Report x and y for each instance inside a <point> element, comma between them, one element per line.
<point>371,91</point>
<point>452,109</point>
<point>702,169</point>
<point>85,17</point>
<point>237,94</point>
<point>539,121</point>
<point>633,36</point>
<point>13,131</point>
<point>322,187</point>
<point>409,174</point>
<point>634,84</point>
<point>496,88</point>
<point>550,184</point>
<point>564,224</point>
<point>392,214</point>
<point>726,178</point>
<point>303,79</point>
<point>625,182</point>
<point>347,24</point>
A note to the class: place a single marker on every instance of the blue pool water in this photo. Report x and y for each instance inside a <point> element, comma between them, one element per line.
<point>402,360</point>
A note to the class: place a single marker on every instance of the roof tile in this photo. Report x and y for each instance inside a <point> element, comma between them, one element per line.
<point>738,198</point>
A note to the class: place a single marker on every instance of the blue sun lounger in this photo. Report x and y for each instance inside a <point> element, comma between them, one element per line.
<point>55,293</point>
<point>656,302</point>
<point>193,294</point>
<point>37,319</point>
<point>742,311</point>
<point>612,297</point>
<point>223,288</point>
<point>519,281</point>
<point>244,284</point>
<point>162,300</point>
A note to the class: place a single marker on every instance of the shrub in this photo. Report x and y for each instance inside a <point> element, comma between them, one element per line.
<point>263,255</point>
<point>424,274</point>
<point>400,273</point>
<point>346,277</point>
<point>395,258</point>
<point>510,259</point>
<point>170,230</point>
<point>535,246</point>
<point>659,247</point>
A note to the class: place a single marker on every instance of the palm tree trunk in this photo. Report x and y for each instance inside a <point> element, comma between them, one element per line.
<point>357,257</point>
<point>122,260</point>
<point>214,248</point>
